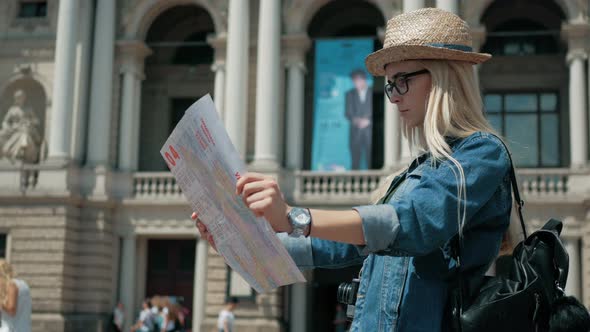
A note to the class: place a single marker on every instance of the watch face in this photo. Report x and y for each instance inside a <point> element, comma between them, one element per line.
<point>301,218</point>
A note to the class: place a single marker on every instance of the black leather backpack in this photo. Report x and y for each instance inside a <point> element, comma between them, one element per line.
<point>526,294</point>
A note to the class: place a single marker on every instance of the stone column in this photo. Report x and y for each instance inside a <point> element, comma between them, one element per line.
<point>405,153</point>
<point>101,98</point>
<point>200,284</point>
<point>578,109</point>
<point>236,101</point>
<point>478,35</point>
<point>576,35</point>
<point>585,257</point>
<point>572,245</point>
<point>392,135</point>
<point>218,92</point>
<point>136,122</point>
<point>141,269</point>
<point>63,87</point>
<point>127,288</point>
<point>115,272</point>
<point>267,86</point>
<point>132,54</point>
<point>219,43</point>
<point>298,307</point>
<point>448,5</point>
<point>410,5</point>
<point>82,80</point>
<point>296,46</point>
<point>126,129</point>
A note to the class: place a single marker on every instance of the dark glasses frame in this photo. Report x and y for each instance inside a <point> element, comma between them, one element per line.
<point>400,90</point>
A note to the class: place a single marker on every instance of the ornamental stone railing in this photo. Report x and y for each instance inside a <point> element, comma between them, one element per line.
<point>352,187</point>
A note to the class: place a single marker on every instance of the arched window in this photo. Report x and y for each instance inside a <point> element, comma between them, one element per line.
<point>194,50</point>
<point>530,121</point>
<point>522,37</point>
<point>32,8</point>
<point>179,36</point>
<point>523,83</point>
<point>177,74</point>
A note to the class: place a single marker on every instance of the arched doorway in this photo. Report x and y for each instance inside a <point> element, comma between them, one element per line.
<point>170,272</point>
<point>177,74</point>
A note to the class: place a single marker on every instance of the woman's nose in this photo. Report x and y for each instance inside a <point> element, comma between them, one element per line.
<point>395,98</point>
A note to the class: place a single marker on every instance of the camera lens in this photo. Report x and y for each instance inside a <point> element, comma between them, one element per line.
<point>344,292</point>
<point>347,295</point>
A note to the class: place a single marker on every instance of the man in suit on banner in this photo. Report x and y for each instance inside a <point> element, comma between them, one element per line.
<point>359,112</point>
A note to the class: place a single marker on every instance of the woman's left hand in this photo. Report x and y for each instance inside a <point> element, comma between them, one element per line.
<point>262,195</point>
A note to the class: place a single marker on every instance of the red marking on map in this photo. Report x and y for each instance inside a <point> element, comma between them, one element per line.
<point>201,140</point>
<point>207,133</point>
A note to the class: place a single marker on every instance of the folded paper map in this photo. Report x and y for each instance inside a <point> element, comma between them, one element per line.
<point>206,166</point>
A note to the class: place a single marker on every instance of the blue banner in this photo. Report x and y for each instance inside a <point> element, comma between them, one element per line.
<point>343,110</point>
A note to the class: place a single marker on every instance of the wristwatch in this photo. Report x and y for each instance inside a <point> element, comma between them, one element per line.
<point>300,219</point>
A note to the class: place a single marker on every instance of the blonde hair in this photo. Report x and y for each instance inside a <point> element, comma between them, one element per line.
<point>6,275</point>
<point>454,109</point>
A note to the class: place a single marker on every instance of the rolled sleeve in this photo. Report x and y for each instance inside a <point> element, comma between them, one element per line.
<point>380,227</point>
<point>299,249</point>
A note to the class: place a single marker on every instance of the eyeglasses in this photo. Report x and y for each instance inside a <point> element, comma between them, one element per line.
<point>400,83</point>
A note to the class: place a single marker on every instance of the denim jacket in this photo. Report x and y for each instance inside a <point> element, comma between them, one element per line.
<point>407,269</point>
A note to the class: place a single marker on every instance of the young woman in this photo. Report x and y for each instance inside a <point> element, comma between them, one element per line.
<point>459,183</point>
<point>15,301</point>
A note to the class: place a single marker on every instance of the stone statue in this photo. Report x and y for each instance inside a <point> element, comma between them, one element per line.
<point>20,137</point>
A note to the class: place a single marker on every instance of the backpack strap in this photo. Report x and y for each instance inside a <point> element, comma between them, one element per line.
<point>519,201</point>
<point>519,205</point>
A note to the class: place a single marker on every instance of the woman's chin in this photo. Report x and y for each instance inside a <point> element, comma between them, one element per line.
<point>410,124</point>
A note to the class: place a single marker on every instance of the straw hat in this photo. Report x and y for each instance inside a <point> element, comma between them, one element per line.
<point>427,33</point>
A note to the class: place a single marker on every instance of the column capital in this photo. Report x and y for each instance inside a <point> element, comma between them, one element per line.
<point>296,41</point>
<point>296,63</point>
<point>129,233</point>
<point>478,35</point>
<point>219,43</point>
<point>134,48</point>
<point>295,46</point>
<point>218,66</point>
<point>576,35</point>
<point>576,54</point>
<point>381,34</point>
<point>132,55</point>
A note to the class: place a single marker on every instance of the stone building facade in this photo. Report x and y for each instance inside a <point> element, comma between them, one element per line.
<point>98,218</point>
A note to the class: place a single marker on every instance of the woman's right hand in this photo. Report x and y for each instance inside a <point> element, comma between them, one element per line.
<point>203,230</point>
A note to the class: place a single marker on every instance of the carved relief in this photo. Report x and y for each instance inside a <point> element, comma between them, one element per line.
<point>20,134</point>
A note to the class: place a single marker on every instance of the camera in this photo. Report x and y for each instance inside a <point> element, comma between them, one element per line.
<point>347,295</point>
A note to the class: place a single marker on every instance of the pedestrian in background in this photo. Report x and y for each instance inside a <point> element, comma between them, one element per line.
<point>226,318</point>
<point>15,301</point>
